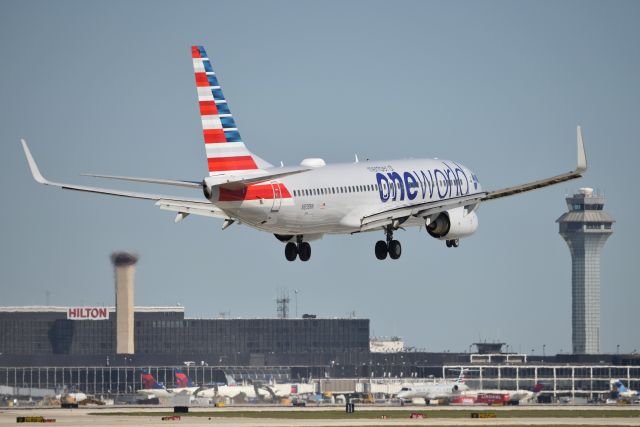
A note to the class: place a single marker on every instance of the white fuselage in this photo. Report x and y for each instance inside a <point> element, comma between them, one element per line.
<point>334,198</point>
<point>432,391</point>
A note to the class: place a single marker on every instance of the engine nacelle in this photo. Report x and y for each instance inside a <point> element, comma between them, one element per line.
<point>453,224</point>
<point>455,388</point>
<point>212,193</point>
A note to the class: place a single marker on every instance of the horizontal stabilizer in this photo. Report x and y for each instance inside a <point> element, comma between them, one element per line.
<point>235,181</point>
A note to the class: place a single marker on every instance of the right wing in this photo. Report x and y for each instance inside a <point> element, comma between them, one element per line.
<point>396,216</point>
<point>581,168</point>
<point>181,205</point>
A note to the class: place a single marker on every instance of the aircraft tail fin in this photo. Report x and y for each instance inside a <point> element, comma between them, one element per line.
<point>460,379</point>
<point>230,380</point>
<point>149,382</point>
<point>225,149</point>
<point>618,386</point>
<point>182,380</point>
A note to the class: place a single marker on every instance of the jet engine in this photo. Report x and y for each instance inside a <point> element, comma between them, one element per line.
<point>210,192</point>
<point>453,224</point>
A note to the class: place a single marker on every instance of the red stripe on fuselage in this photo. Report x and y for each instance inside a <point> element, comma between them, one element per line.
<point>253,192</point>
<point>213,136</point>
<point>217,164</point>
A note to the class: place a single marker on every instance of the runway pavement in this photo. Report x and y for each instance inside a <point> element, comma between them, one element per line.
<point>86,417</point>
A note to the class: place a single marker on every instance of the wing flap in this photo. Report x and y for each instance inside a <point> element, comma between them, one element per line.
<point>420,210</point>
<point>177,183</point>
<point>200,208</point>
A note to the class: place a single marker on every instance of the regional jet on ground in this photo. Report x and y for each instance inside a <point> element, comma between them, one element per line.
<point>435,391</point>
<point>302,203</point>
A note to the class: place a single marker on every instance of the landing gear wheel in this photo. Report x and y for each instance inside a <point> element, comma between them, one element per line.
<point>455,243</point>
<point>448,243</point>
<point>290,251</point>
<point>395,249</point>
<point>381,249</point>
<point>304,251</point>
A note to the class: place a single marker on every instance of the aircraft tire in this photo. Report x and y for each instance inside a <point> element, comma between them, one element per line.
<point>381,249</point>
<point>395,249</point>
<point>290,251</point>
<point>304,251</point>
<point>455,243</point>
<point>448,243</point>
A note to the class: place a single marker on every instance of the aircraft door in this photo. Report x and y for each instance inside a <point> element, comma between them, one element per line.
<point>277,197</point>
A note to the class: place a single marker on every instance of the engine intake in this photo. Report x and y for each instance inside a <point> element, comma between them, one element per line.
<point>453,224</point>
<point>439,227</point>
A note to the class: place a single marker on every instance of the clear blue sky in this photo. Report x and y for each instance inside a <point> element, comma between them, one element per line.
<point>108,87</point>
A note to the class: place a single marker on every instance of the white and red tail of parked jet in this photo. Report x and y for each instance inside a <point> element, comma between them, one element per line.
<point>302,203</point>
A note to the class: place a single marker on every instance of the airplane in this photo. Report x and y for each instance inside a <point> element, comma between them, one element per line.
<point>434,391</point>
<point>504,397</point>
<point>233,391</point>
<point>621,393</point>
<point>300,204</point>
<point>152,388</point>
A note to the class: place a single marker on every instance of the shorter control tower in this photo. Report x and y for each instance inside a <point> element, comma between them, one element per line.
<point>585,228</point>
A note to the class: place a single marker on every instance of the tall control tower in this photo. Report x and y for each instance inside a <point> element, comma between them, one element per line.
<point>585,228</point>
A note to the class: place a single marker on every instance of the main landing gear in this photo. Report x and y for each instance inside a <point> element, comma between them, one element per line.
<point>301,249</point>
<point>390,247</point>
<point>452,243</point>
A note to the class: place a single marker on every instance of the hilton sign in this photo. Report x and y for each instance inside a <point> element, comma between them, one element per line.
<point>88,313</point>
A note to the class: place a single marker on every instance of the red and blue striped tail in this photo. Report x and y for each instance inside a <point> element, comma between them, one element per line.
<point>225,149</point>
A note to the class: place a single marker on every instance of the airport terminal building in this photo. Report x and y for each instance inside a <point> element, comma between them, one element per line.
<point>77,336</point>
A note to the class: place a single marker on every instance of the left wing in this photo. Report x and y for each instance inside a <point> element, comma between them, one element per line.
<point>184,206</point>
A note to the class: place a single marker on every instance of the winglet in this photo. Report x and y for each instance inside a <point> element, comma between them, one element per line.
<point>582,157</point>
<point>32,164</point>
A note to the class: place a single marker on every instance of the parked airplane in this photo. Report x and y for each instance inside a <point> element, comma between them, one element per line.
<point>234,391</point>
<point>500,397</point>
<point>621,393</point>
<point>434,391</point>
<point>152,388</point>
<point>302,203</point>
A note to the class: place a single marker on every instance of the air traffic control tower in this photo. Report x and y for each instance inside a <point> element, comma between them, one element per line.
<point>585,228</point>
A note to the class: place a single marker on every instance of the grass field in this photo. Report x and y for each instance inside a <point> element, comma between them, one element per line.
<point>379,413</point>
